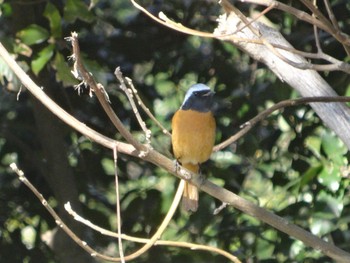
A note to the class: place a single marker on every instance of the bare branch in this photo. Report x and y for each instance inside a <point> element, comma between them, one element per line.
<point>58,220</point>
<point>336,116</point>
<point>160,242</point>
<point>146,110</point>
<point>334,66</point>
<point>129,95</point>
<point>340,36</point>
<point>119,220</point>
<point>301,15</point>
<point>280,105</point>
<point>80,72</point>
<point>82,243</point>
<point>331,15</point>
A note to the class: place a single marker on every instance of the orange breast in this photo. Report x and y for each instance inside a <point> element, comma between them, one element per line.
<point>193,136</point>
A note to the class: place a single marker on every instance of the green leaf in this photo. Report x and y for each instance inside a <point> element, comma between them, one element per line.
<point>5,9</point>
<point>33,34</point>
<point>330,176</point>
<point>331,207</point>
<point>77,9</point>
<point>333,147</point>
<point>313,143</point>
<point>319,226</point>
<point>311,173</point>
<point>63,71</point>
<point>54,17</point>
<point>41,60</point>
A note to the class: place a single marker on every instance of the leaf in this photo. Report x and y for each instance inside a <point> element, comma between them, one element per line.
<point>41,60</point>
<point>33,34</point>
<point>313,143</point>
<point>77,9</point>
<point>12,82</point>
<point>311,173</point>
<point>319,226</point>
<point>334,148</point>
<point>63,71</point>
<point>54,17</point>
<point>330,176</point>
<point>331,207</point>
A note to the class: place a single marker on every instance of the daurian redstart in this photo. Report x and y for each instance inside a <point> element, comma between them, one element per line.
<point>193,135</point>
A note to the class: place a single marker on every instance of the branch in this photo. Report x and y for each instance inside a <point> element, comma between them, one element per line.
<point>307,82</point>
<point>119,220</point>
<point>146,110</point>
<point>129,95</point>
<point>337,34</point>
<point>160,242</point>
<point>303,16</point>
<point>334,65</point>
<point>81,73</point>
<point>149,242</point>
<point>247,126</point>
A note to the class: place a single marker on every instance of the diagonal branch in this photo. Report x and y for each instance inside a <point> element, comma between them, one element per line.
<point>81,73</point>
<point>247,126</point>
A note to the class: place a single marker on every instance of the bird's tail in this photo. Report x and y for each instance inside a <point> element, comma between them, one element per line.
<point>190,195</point>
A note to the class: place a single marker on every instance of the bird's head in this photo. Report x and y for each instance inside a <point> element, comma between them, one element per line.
<point>199,98</point>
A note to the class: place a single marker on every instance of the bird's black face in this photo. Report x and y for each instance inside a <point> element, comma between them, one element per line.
<point>199,100</point>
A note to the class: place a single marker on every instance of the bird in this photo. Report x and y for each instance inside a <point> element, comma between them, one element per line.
<point>193,136</point>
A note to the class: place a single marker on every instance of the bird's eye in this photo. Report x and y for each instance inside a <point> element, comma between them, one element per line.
<point>196,93</point>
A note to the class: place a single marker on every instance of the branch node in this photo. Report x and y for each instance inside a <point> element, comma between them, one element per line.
<point>246,124</point>
<point>220,208</point>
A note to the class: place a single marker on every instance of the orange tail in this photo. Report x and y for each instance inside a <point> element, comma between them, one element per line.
<point>190,195</point>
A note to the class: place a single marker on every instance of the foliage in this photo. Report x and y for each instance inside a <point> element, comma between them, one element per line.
<point>290,164</point>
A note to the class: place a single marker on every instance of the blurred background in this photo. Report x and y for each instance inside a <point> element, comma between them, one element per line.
<point>290,164</point>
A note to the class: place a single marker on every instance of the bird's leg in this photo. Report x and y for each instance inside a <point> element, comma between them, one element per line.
<point>201,175</point>
<point>176,165</point>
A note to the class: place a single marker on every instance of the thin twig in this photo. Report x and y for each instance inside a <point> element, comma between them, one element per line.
<point>129,95</point>
<point>331,15</point>
<point>82,243</point>
<point>58,220</point>
<point>303,16</point>
<point>335,66</point>
<point>337,34</point>
<point>280,105</point>
<point>119,220</point>
<point>160,242</point>
<point>146,110</point>
<point>300,65</point>
<point>81,73</point>
<point>317,39</point>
